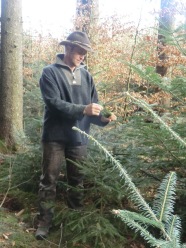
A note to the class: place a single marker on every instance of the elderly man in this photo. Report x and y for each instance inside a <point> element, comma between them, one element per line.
<point>70,99</point>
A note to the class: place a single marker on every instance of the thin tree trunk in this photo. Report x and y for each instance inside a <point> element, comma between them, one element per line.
<point>166,23</point>
<point>11,84</point>
<point>87,13</point>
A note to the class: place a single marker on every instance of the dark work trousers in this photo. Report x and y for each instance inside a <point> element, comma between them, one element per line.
<point>55,154</point>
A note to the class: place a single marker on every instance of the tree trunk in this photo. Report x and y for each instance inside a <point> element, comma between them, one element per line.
<point>11,84</point>
<point>87,13</point>
<point>166,23</point>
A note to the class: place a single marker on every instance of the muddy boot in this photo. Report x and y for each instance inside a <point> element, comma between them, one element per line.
<point>43,227</point>
<point>44,219</point>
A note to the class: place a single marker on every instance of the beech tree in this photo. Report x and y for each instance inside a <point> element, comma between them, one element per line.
<point>11,82</point>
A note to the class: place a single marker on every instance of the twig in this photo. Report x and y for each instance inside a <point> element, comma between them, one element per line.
<point>132,54</point>
<point>169,150</point>
<point>61,237</point>
<point>9,184</point>
<point>150,175</point>
<point>22,183</point>
<point>50,242</point>
<point>131,61</point>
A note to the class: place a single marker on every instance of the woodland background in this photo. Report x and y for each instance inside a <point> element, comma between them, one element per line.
<point>141,77</point>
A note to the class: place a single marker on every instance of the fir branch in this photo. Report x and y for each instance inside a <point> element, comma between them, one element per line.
<point>168,196</point>
<point>174,229</point>
<point>135,195</point>
<point>144,233</point>
<point>147,107</point>
<point>138,218</point>
<point>164,200</point>
<point>138,198</point>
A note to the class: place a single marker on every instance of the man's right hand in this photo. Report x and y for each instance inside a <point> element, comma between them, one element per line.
<point>92,109</point>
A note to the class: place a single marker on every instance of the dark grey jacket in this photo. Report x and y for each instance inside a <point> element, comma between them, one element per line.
<point>65,95</point>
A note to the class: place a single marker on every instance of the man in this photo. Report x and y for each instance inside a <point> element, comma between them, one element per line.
<point>70,100</point>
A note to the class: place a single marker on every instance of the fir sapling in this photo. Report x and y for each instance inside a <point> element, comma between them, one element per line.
<point>105,112</point>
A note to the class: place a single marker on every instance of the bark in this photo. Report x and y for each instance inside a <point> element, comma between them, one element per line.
<point>11,84</point>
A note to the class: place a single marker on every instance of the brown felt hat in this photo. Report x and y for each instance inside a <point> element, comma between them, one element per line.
<point>79,39</point>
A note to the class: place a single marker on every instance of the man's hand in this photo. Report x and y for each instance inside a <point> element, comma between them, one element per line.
<point>92,109</point>
<point>112,117</point>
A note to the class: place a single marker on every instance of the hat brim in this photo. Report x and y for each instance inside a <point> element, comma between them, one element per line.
<point>67,42</point>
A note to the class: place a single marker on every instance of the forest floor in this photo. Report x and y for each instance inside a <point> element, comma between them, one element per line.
<point>18,225</point>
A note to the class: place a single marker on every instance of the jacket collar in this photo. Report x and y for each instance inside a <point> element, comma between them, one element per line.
<point>59,61</point>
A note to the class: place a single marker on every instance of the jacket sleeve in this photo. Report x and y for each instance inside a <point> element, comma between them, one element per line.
<point>97,121</point>
<point>51,96</point>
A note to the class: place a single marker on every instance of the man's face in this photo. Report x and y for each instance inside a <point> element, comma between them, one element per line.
<point>76,55</point>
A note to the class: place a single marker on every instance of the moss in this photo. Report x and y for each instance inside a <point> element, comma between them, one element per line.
<point>16,233</point>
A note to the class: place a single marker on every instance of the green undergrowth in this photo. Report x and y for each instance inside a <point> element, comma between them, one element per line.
<point>94,227</point>
<point>87,228</point>
<point>12,233</point>
<point>16,217</point>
